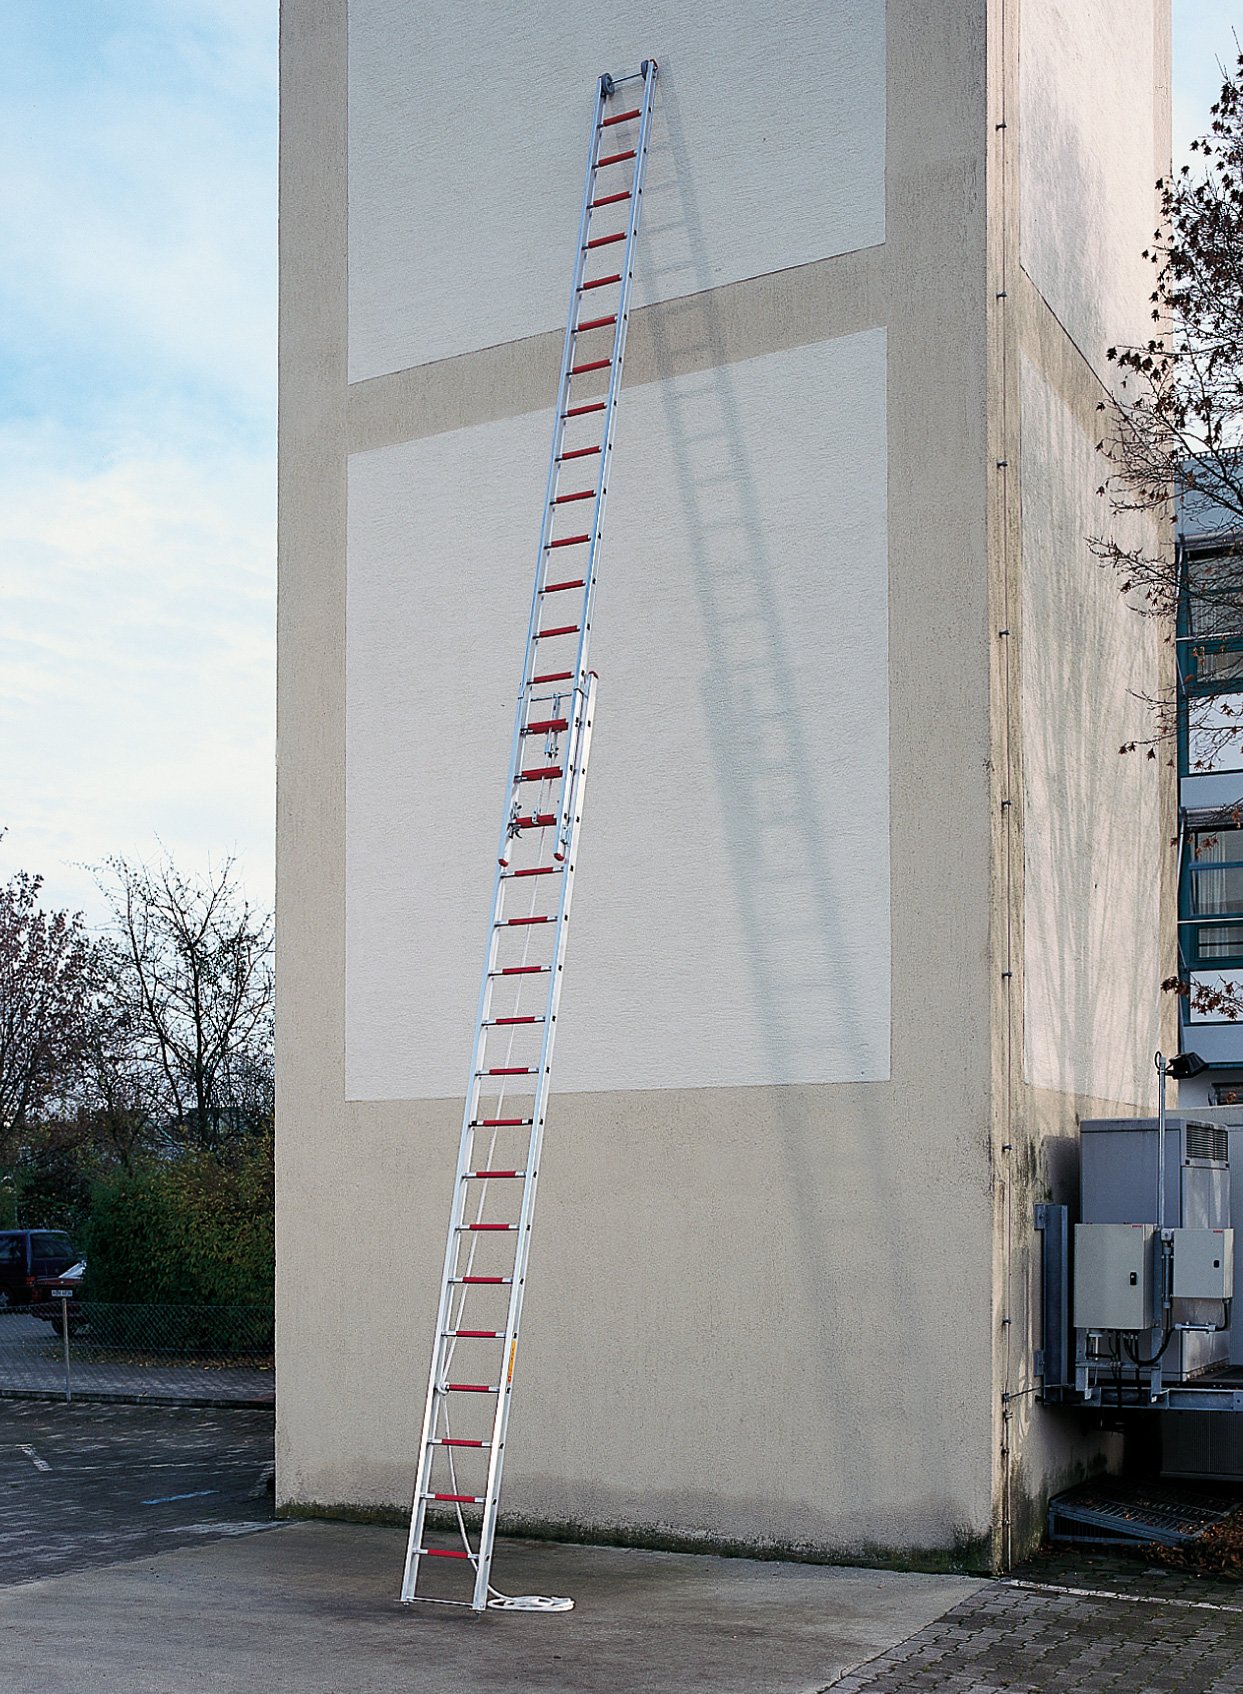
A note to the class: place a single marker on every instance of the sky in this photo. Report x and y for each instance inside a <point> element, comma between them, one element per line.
<point>137,436</point>
<point>137,426</point>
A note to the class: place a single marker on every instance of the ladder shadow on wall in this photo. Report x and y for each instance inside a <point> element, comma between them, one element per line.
<point>776,837</point>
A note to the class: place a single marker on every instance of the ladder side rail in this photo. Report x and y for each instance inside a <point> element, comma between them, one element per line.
<point>500,1419</point>
<point>615,371</point>
<point>466,1141</point>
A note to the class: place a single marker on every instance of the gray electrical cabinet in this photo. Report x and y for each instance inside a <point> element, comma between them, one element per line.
<point>1122,1185</point>
<point>1114,1276</point>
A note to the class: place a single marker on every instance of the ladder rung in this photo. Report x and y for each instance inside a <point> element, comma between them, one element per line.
<point>533,870</point>
<point>513,923</point>
<point>506,1280</point>
<point>584,494</point>
<point>466,1499</point>
<point>570,541</point>
<point>619,118</point>
<point>582,411</point>
<point>610,199</point>
<point>495,1228</point>
<point>544,772</point>
<point>522,970</point>
<point>537,820</point>
<point>600,282</point>
<point>615,158</point>
<point>595,323</point>
<point>488,1175</point>
<point>470,1388</point>
<point>553,676</point>
<point>578,453</point>
<point>548,723</point>
<point>511,1070</point>
<point>557,587</point>
<point>501,1123</point>
<point>474,1334</point>
<point>590,365</point>
<point>442,1553</point>
<point>561,629</point>
<point>604,240</point>
<point>495,1023</point>
<point>455,1441</point>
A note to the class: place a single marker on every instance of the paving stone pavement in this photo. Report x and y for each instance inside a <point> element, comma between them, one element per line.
<point>1156,1633</point>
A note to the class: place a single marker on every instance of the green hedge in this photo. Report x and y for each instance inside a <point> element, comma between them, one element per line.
<point>189,1231</point>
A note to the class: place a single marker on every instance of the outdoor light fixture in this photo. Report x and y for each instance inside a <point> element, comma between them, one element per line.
<point>1185,1065</point>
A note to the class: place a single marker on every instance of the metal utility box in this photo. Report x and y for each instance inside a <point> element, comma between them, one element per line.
<point>1203,1264</point>
<point>1114,1276</point>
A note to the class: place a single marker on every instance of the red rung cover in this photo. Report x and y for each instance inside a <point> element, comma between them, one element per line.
<point>602,281</point>
<point>479,1334</point>
<point>544,770</point>
<point>605,240</point>
<point>590,365</point>
<point>458,1441</point>
<point>471,1499</point>
<point>619,118</point>
<point>547,723</point>
<point>510,1070</point>
<point>582,411</point>
<point>595,323</point>
<point>493,1226</point>
<point>522,970</point>
<point>487,1173</point>
<point>469,1388</point>
<point>498,1021</point>
<point>534,870</point>
<point>610,199</point>
<point>485,1279</point>
<point>511,922</point>
<point>553,676</point>
<point>615,158</point>
<point>578,453</point>
<point>561,629</point>
<point>502,1123</point>
<point>444,1552</point>
<point>570,541</point>
<point>583,494</point>
<point>556,587</point>
<point>537,820</point>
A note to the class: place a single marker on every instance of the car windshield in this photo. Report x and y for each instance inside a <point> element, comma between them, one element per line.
<point>51,1250</point>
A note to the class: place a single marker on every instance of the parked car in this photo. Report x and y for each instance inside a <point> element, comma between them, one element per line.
<point>51,1293</point>
<point>29,1260</point>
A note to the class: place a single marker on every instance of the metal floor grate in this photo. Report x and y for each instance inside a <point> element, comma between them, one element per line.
<point>1114,1512</point>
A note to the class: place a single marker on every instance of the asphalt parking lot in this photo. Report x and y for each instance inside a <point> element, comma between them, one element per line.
<point>83,1485</point>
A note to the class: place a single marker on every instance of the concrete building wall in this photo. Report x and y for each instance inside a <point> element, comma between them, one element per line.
<point>768,1291</point>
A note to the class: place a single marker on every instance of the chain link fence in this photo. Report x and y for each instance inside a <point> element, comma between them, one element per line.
<point>94,1349</point>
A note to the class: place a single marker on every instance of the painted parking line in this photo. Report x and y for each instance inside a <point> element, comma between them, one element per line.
<point>166,1499</point>
<point>36,1461</point>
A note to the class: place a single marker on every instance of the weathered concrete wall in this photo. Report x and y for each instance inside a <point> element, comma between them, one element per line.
<point>782,1271</point>
<point>738,1324</point>
<point>1082,905</point>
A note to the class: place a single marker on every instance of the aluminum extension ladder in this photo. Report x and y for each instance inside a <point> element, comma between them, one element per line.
<point>462,1446</point>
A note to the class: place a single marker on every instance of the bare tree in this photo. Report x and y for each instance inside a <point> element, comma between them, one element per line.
<point>45,989</point>
<point>1174,429</point>
<point>186,1002</point>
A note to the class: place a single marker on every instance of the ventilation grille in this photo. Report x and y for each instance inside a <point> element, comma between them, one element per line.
<point>1207,1141</point>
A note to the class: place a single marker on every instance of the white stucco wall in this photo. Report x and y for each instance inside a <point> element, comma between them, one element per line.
<point>1092,817</point>
<point>465,166</point>
<point>732,907</point>
<point>1088,164</point>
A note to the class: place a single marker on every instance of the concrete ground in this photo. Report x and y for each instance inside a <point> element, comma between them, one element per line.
<point>138,1555</point>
